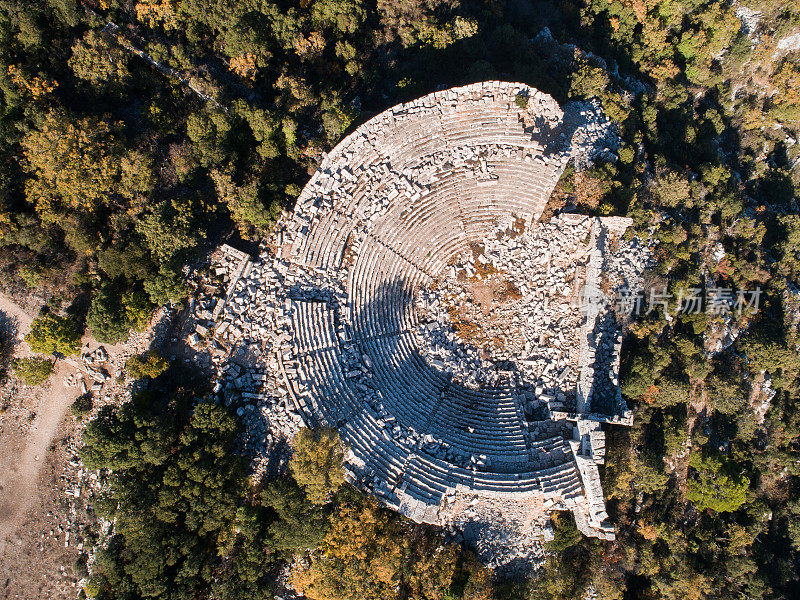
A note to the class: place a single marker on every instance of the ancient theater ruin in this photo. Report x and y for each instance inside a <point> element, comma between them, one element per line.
<point>466,350</point>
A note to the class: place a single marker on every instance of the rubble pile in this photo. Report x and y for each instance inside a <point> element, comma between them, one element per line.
<point>237,325</point>
<point>81,488</point>
<point>507,535</point>
<point>530,334</point>
<point>213,284</point>
<point>596,137</point>
<point>530,331</point>
<point>269,420</point>
<point>153,336</point>
<point>93,365</point>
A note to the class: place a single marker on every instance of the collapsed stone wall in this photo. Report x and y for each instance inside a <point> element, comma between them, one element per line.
<point>333,307</point>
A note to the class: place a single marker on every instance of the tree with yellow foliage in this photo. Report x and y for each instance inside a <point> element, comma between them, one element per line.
<point>74,164</point>
<point>785,103</point>
<point>149,364</point>
<point>158,13</point>
<point>361,558</point>
<point>37,87</point>
<point>317,463</point>
<point>54,334</point>
<point>369,553</point>
<point>245,66</point>
<point>439,571</point>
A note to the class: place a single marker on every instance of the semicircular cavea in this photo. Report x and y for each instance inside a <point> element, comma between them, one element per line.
<point>415,301</point>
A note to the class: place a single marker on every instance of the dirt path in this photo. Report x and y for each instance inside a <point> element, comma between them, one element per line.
<point>20,471</point>
<point>18,480</point>
<point>13,319</point>
<point>42,520</point>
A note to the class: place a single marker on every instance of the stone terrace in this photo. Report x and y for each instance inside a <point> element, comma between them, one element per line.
<point>335,306</point>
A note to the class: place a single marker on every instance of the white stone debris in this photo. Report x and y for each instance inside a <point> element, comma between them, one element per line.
<point>790,43</point>
<point>749,18</point>
<point>595,138</point>
<point>522,291</point>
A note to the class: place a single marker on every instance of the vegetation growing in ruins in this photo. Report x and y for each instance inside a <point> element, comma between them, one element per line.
<point>148,365</point>
<point>115,174</point>
<point>82,406</point>
<point>575,562</point>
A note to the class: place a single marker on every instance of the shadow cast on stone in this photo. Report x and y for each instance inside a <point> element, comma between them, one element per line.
<point>603,395</point>
<point>9,332</point>
<point>421,408</point>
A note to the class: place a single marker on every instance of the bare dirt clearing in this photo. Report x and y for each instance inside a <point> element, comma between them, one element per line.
<point>34,564</point>
<point>37,443</point>
<point>19,478</point>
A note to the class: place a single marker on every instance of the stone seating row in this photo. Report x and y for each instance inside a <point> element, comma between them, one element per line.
<point>324,246</point>
<point>562,480</point>
<point>378,304</point>
<point>415,153</point>
<point>422,409</point>
<point>428,478</point>
<point>502,94</point>
<point>470,421</point>
<point>314,327</point>
<point>437,232</point>
<point>375,450</point>
<point>410,391</point>
<point>493,404</point>
<point>494,124</point>
<point>383,457</point>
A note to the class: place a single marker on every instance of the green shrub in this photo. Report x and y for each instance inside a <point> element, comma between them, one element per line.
<point>565,532</point>
<point>106,320</point>
<point>32,275</point>
<point>149,365</point>
<point>671,392</point>
<point>587,81</point>
<point>626,155</point>
<point>82,406</point>
<point>317,463</point>
<point>51,334</point>
<point>33,371</point>
<point>79,567</point>
<point>765,351</point>
<point>718,486</point>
